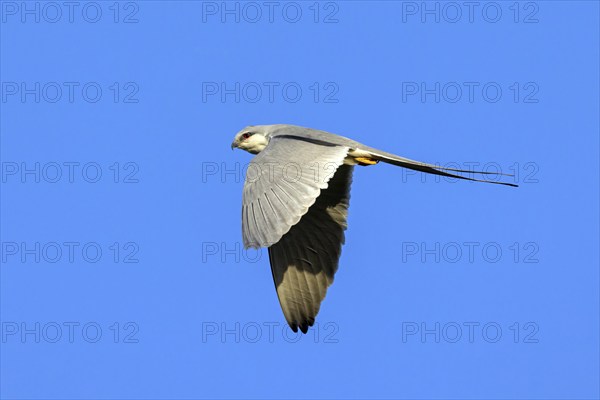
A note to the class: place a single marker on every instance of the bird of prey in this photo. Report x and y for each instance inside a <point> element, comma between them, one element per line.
<point>295,202</point>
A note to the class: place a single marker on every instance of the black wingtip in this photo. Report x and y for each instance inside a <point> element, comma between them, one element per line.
<point>304,328</point>
<point>437,172</point>
<point>498,183</point>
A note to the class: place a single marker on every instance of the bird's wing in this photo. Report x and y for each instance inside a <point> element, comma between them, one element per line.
<point>430,168</point>
<point>380,155</point>
<point>306,258</point>
<point>282,182</point>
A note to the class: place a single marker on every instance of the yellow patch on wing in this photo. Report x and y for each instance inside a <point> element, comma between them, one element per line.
<point>366,161</point>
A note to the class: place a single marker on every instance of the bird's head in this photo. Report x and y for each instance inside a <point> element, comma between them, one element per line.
<point>252,139</point>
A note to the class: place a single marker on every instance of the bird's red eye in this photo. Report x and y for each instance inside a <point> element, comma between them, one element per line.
<point>246,135</point>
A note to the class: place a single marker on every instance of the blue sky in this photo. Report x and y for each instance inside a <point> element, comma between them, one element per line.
<point>123,274</point>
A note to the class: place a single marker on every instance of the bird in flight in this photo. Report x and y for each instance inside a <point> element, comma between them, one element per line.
<point>295,202</point>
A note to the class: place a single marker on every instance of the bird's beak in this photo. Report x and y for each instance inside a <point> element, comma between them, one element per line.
<point>232,145</point>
